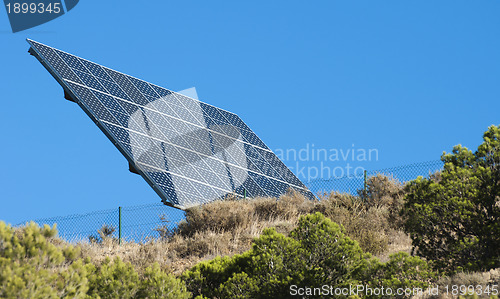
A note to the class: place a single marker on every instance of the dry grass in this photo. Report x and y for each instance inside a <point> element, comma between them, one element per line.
<point>475,279</point>
<point>397,241</point>
<point>366,224</point>
<point>225,228</point>
<point>221,228</point>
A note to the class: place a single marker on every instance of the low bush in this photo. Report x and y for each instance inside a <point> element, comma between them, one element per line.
<point>316,253</point>
<point>218,216</point>
<point>32,267</point>
<point>235,215</point>
<point>117,279</point>
<point>371,221</point>
<point>35,264</point>
<point>386,192</point>
<point>289,206</point>
<point>366,224</point>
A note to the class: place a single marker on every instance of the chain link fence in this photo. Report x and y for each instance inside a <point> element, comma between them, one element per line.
<point>136,223</point>
<point>151,221</point>
<point>352,184</point>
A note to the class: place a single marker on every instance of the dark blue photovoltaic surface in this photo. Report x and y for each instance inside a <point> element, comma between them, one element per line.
<point>188,151</point>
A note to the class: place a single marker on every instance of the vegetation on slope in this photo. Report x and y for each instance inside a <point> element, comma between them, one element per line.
<point>316,253</point>
<point>35,264</point>
<point>258,248</point>
<point>454,217</point>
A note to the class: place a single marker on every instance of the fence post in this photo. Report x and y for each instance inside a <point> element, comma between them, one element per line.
<point>119,225</point>
<point>364,188</point>
<point>244,193</point>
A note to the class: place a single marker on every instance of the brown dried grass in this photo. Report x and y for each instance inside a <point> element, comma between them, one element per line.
<point>225,228</point>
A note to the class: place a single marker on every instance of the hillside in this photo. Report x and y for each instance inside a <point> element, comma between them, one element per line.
<point>228,228</point>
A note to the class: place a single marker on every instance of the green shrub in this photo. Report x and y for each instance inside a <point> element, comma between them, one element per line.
<point>32,267</point>
<point>240,286</point>
<point>330,256</point>
<point>113,280</point>
<point>158,284</point>
<point>402,271</point>
<point>316,253</point>
<point>116,279</point>
<point>206,277</point>
<point>454,218</point>
<point>273,263</point>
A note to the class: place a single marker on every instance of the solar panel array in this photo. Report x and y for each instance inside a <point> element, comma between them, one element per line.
<point>188,151</point>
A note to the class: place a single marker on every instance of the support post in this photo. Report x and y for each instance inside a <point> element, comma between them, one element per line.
<point>244,193</point>
<point>364,188</point>
<point>119,225</point>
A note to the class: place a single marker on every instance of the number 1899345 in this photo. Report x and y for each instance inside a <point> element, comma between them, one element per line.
<point>33,8</point>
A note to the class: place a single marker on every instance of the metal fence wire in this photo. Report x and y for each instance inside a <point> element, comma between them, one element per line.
<point>152,221</point>
<point>136,223</point>
<point>352,184</point>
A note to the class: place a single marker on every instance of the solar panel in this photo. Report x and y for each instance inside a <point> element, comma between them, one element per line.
<point>188,151</point>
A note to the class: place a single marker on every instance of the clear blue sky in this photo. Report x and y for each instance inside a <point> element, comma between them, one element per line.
<point>408,78</point>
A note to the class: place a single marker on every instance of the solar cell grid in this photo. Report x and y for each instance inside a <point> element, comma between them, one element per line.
<point>188,151</point>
